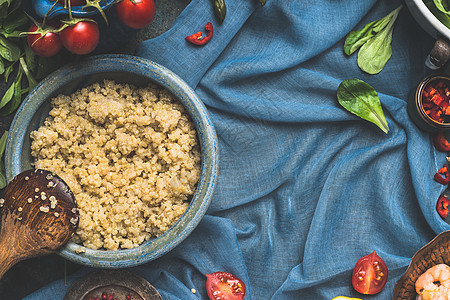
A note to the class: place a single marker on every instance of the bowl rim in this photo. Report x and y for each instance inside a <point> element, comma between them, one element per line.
<point>431,18</point>
<point>205,129</point>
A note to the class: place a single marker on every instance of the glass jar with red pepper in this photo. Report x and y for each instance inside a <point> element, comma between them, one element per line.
<point>429,106</point>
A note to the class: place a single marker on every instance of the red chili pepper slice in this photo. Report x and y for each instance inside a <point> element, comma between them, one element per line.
<point>440,142</point>
<point>435,100</point>
<point>198,38</point>
<point>442,180</point>
<point>442,206</point>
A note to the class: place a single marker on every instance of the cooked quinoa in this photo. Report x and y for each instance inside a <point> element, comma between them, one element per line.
<point>130,155</point>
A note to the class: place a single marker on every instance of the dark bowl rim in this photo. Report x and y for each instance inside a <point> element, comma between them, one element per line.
<point>207,136</point>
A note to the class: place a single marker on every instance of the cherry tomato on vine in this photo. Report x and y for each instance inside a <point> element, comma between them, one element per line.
<point>43,42</point>
<point>136,13</point>
<point>224,286</point>
<point>80,38</point>
<point>370,274</point>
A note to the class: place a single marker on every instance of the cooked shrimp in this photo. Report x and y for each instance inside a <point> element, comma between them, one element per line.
<point>434,284</point>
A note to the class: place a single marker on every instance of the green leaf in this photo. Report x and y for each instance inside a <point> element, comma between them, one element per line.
<point>356,39</point>
<point>9,50</point>
<point>444,18</point>
<point>442,5</point>
<point>17,96</point>
<point>2,67</point>
<point>30,78</point>
<point>8,71</point>
<point>14,20</point>
<point>375,53</point>
<point>2,164</point>
<point>6,3</point>
<point>361,99</point>
<point>7,96</point>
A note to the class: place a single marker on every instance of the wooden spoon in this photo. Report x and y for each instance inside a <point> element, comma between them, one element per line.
<point>39,214</point>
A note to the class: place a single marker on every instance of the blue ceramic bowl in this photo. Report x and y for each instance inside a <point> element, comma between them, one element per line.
<point>43,7</point>
<point>124,69</point>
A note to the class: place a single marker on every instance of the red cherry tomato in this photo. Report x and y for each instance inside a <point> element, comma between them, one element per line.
<point>136,13</point>
<point>370,274</point>
<point>440,142</point>
<point>72,3</point>
<point>43,43</point>
<point>224,286</point>
<point>81,38</point>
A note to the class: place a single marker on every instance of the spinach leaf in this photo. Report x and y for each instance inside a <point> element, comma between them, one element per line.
<point>374,41</point>
<point>361,99</point>
<point>442,6</point>
<point>356,39</point>
<point>2,164</point>
<point>444,18</point>
<point>373,55</point>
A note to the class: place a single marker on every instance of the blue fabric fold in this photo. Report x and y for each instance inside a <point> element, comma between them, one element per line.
<point>305,187</point>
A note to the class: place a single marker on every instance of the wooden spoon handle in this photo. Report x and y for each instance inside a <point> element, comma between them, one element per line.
<point>8,255</point>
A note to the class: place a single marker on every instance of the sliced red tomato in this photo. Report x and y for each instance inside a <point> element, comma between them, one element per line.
<point>440,142</point>
<point>224,286</point>
<point>370,274</point>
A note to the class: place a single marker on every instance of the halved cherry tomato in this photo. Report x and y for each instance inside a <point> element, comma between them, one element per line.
<point>370,274</point>
<point>224,286</point>
<point>440,142</point>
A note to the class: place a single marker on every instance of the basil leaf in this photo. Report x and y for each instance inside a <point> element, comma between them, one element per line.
<point>9,50</point>
<point>30,57</point>
<point>375,53</point>
<point>15,19</point>
<point>7,96</point>
<point>17,96</point>
<point>2,164</point>
<point>9,69</point>
<point>361,99</point>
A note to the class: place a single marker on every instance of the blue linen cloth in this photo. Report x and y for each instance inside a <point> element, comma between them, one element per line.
<point>305,187</point>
